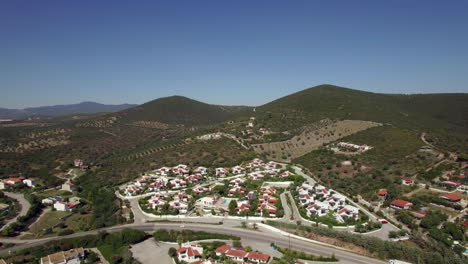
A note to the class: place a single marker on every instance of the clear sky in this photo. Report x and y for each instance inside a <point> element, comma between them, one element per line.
<point>226,52</point>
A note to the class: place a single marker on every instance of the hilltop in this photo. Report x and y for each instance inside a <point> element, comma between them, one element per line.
<point>329,101</point>
<point>444,116</point>
<point>180,110</point>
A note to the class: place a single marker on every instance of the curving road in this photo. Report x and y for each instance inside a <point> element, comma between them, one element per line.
<point>265,236</point>
<point>25,205</point>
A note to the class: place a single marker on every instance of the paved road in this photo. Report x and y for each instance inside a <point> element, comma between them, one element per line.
<point>23,203</point>
<point>265,236</point>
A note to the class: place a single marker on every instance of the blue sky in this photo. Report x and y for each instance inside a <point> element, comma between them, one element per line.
<point>226,52</point>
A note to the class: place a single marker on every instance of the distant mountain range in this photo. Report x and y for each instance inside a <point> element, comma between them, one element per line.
<point>59,110</point>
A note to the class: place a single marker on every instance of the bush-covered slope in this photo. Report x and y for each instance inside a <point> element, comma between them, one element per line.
<point>443,116</point>
<point>180,110</point>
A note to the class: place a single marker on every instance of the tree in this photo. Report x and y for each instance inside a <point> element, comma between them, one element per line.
<point>232,207</point>
<point>172,251</point>
<point>236,243</point>
<point>180,240</point>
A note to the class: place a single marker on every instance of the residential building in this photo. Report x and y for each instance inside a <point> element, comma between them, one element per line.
<point>72,256</point>
<point>31,183</point>
<point>401,204</point>
<point>68,186</point>
<point>407,181</point>
<point>450,197</point>
<point>189,253</point>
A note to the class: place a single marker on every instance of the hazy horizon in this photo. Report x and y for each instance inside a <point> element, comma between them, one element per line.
<point>229,53</point>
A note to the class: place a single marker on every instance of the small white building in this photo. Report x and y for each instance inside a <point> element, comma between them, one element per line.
<point>68,186</point>
<point>31,183</point>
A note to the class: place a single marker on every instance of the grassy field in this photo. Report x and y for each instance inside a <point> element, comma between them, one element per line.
<point>75,222</point>
<point>311,138</point>
<point>63,194</point>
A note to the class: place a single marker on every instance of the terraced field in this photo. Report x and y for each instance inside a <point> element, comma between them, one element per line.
<point>312,138</point>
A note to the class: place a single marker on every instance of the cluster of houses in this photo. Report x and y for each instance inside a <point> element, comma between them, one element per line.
<point>177,201</point>
<point>12,182</point>
<point>250,125</point>
<point>181,176</point>
<point>59,204</point>
<point>80,164</point>
<point>193,253</point>
<point>320,201</point>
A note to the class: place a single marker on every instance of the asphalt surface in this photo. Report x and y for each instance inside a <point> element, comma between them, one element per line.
<point>251,235</point>
<point>24,207</point>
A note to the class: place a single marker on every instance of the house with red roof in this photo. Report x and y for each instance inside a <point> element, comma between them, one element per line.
<point>452,183</point>
<point>271,209</point>
<point>382,193</point>
<point>401,204</point>
<point>240,255</point>
<point>258,257</point>
<point>222,249</point>
<point>235,190</point>
<point>243,206</point>
<point>189,253</point>
<point>238,170</point>
<point>419,214</point>
<point>221,172</point>
<point>407,181</point>
<point>450,197</point>
<point>236,254</point>
<point>14,181</point>
<point>286,174</point>
<point>306,199</point>
<point>206,261</point>
<point>64,206</point>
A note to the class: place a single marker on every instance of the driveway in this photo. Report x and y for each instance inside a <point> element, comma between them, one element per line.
<point>24,204</point>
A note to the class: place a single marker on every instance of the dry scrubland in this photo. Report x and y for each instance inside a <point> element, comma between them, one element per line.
<point>312,138</point>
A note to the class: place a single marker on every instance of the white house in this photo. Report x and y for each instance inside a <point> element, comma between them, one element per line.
<point>68,186</point>
<point>72,256</point>
<point>221,172</point>
<point>189,253</point>
<point>30,182</point>
<point>52,200</point>
<point>238,170</point>
<point>62,206</point>
<point>208,201</point>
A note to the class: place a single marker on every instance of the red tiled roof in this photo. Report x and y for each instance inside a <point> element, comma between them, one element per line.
<point>258,256</point>
<point>401,203</point>
<point>451,196</point>
<point>190,252</point>
<point>236,253</point>
<point>342,211</point>
<point>382,192</point>
<point>420,212</point>
<point>452,183</point>
<point>223,248</point>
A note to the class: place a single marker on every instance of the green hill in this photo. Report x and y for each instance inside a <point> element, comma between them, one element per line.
<point>444,116</point>
<point>180,110</point>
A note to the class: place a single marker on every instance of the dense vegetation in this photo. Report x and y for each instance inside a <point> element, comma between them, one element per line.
<point>188,235</point>
<point>114,241</point>
<point>444,115</point>
<point>181,110</point>
<point>432,253</point>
